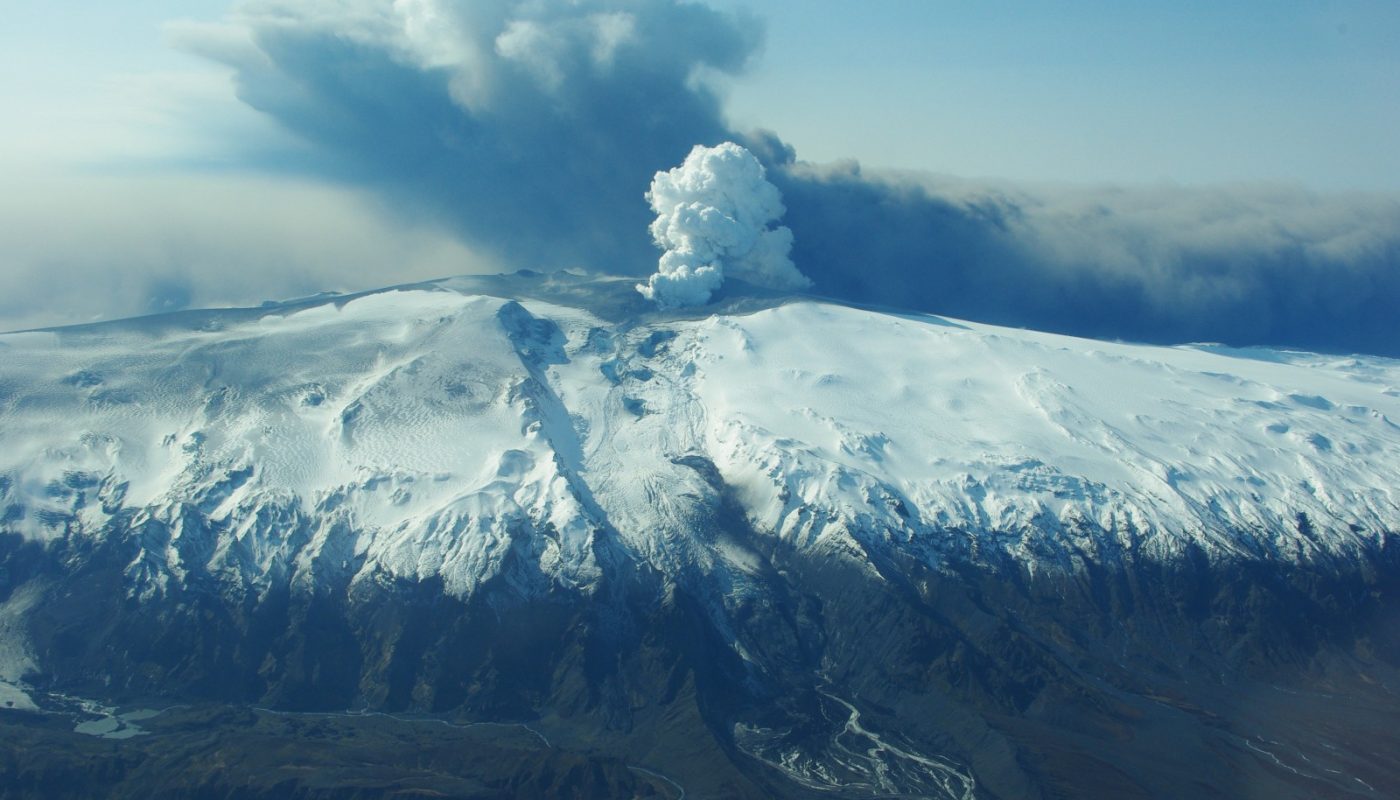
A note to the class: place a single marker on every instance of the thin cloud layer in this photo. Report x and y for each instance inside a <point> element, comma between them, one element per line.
<point>82,247</point>
<point>716,213</point>
<point>531,128</point>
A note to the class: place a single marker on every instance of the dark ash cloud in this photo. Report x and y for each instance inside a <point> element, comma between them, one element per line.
<point>533,127</point>
<point>1241,265</point>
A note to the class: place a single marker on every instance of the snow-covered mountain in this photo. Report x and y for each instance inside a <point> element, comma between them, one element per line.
<point>524,436</point>
<point>415,429</point>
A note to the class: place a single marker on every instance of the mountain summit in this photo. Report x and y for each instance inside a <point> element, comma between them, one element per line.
<point>775,546</point>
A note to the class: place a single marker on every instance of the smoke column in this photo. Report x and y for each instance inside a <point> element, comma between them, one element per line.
<point>717,213</point>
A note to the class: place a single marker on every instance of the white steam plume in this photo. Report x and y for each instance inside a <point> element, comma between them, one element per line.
<point>713,215</point>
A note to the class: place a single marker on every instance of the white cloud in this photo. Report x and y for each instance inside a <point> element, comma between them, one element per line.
<point>610,32</point>
<point>556,47</point>
<point>714,215</point>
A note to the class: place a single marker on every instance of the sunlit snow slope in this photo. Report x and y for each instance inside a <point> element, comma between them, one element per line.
<point>419,432</point>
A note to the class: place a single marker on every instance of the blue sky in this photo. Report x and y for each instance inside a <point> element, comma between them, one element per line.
<point>1191,92</point>
<point>1157,171</point>
<point>1089,91</point>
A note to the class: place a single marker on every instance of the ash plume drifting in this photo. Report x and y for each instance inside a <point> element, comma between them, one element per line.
<point>529,128</point>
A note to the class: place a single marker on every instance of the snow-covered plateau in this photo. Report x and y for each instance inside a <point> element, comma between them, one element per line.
<point>415,432</point>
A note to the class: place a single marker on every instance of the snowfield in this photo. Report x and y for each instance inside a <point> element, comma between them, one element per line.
<point>426,431</point>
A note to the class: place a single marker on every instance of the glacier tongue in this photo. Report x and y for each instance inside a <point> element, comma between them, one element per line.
<point>437,432</point>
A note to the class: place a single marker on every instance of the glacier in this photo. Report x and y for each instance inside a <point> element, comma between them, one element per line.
<point>416,432</point>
